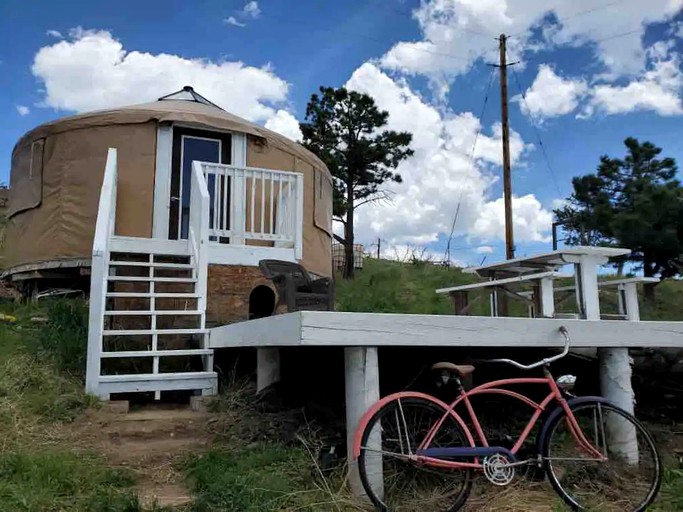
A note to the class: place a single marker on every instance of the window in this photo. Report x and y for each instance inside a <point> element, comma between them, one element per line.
<point>323,201</point>
<point>26,177</point>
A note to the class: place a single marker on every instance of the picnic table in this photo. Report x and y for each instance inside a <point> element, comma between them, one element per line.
<point>540,272</point>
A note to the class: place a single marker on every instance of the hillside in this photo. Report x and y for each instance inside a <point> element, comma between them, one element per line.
<point>385,286</point>
<point>62,450</point>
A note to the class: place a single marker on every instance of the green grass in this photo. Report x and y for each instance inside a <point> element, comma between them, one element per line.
<point>262,478</point>
<point>39,391</point>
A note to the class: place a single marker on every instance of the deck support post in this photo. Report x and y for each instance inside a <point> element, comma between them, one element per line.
<point>362,391</point>
<point>615,365</point>
<point>267,367</point>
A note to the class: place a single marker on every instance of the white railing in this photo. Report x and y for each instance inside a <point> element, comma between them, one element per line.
<point>247,203</point>
<point>104,229</point>
<point>199,233</point>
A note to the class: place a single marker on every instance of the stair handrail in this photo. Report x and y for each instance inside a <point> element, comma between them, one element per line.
<point>199,229</point>
<point>104,230</point>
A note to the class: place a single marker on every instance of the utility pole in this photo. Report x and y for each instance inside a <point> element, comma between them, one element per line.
<point>379,244</point>
<point>507,180</point>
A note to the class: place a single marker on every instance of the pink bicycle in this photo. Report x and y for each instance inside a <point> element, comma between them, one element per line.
<point>416,452</point>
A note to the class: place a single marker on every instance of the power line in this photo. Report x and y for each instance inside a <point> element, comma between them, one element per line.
<point>377,39</point>
<point>410,13</point>
<point>623,34</point>
<point>447,254</point>
<point>577,14</point>
<point>538,132</point>
<point>589,11</point>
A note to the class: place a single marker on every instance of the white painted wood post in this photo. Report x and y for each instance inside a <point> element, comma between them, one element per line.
<point>239,207</point>
<point>628,293</point>
<point>267,367</point>
<point>615,366</point>
<point>362,391</point>
<point>547,301</point>
<point>299,219</point>
<point>104,230</point>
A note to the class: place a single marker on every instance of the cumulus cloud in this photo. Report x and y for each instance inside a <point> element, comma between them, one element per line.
<point>659,90</point>
<point>551,95</point>
<point>484,249</point>
<point>441,175</point>
<point>92,70</point>
<point>530,220</point>
<point>252,10</point>
<point>54,33</point>
<point>285,124</point>
<point>231,20</point>
<point>457,33</point>
<point>23,110</point>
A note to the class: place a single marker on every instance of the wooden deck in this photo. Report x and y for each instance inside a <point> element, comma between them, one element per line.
<point>322,328</point>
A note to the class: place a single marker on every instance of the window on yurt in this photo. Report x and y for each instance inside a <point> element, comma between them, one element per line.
<point>323,201</point>
<point>26,177</point>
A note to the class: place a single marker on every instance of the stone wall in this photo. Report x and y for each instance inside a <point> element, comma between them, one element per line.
<point>229,287</point>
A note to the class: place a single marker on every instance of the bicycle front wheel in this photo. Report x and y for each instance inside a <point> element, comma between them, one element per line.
<point>394,483</point>
<point>628,478</point>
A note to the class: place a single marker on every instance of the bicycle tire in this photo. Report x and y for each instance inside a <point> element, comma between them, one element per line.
<point>603,406</point>
<point>453,427</point>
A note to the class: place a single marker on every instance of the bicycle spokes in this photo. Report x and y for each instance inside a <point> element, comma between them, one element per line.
<point>624,474</point>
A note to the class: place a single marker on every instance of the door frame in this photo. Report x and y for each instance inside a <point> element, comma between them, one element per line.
<point>164,163</point>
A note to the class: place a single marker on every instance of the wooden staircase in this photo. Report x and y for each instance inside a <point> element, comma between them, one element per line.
<point>147,327</point>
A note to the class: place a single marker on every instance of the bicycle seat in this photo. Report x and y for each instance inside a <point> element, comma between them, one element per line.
<point>462,370</point>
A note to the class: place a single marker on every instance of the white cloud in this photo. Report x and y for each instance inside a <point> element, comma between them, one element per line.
<point>659,90</point>
<point>252,10</point>
<point>530,221</point>
<point>484,249</point>
<point>92,70</point>
<point>285,124</point>
<point>54,33</point>
<point>440,174</point>
<point>231,20</point>
<point>455,33</point>
<point>23,110</point>
<point>551,95</point>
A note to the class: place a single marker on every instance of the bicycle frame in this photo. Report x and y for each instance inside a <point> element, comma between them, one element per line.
<point>428,456</point>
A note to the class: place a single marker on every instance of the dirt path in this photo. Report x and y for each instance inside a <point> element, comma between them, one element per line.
<point>150,442</point>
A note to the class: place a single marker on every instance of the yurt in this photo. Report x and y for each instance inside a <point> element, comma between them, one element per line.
<point>56,178</point>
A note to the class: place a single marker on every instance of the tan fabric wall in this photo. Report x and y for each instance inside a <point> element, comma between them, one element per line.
<point>317,244</point>
<point>63,225</point>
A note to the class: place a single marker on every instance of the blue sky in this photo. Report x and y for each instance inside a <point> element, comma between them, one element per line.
<point>594,72</point>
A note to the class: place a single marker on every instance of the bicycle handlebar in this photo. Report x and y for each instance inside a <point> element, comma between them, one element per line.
<point>542,362</point>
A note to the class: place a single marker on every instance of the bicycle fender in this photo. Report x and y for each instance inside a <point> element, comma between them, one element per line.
<point>543,432</point>
<point>363,423</point>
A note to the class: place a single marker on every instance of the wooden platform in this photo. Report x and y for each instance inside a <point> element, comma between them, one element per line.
<point>322,328</point>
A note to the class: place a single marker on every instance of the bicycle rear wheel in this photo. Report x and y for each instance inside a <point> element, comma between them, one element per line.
<point>627,481</point>
<point>393,432</point>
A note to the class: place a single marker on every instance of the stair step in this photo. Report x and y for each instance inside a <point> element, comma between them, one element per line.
<point>179,266</point>
<point>155,295</point>
<point>158,246</point>
<point>153,279</point>
<point>142,332</point>
<point>163,312</point>
<point>157,353</point>
<point>157,382</point>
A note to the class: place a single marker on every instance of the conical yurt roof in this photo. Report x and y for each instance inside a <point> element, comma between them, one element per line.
<point>176,107</point>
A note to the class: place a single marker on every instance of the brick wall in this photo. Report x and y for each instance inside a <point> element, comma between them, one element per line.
<point>229,287</point>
